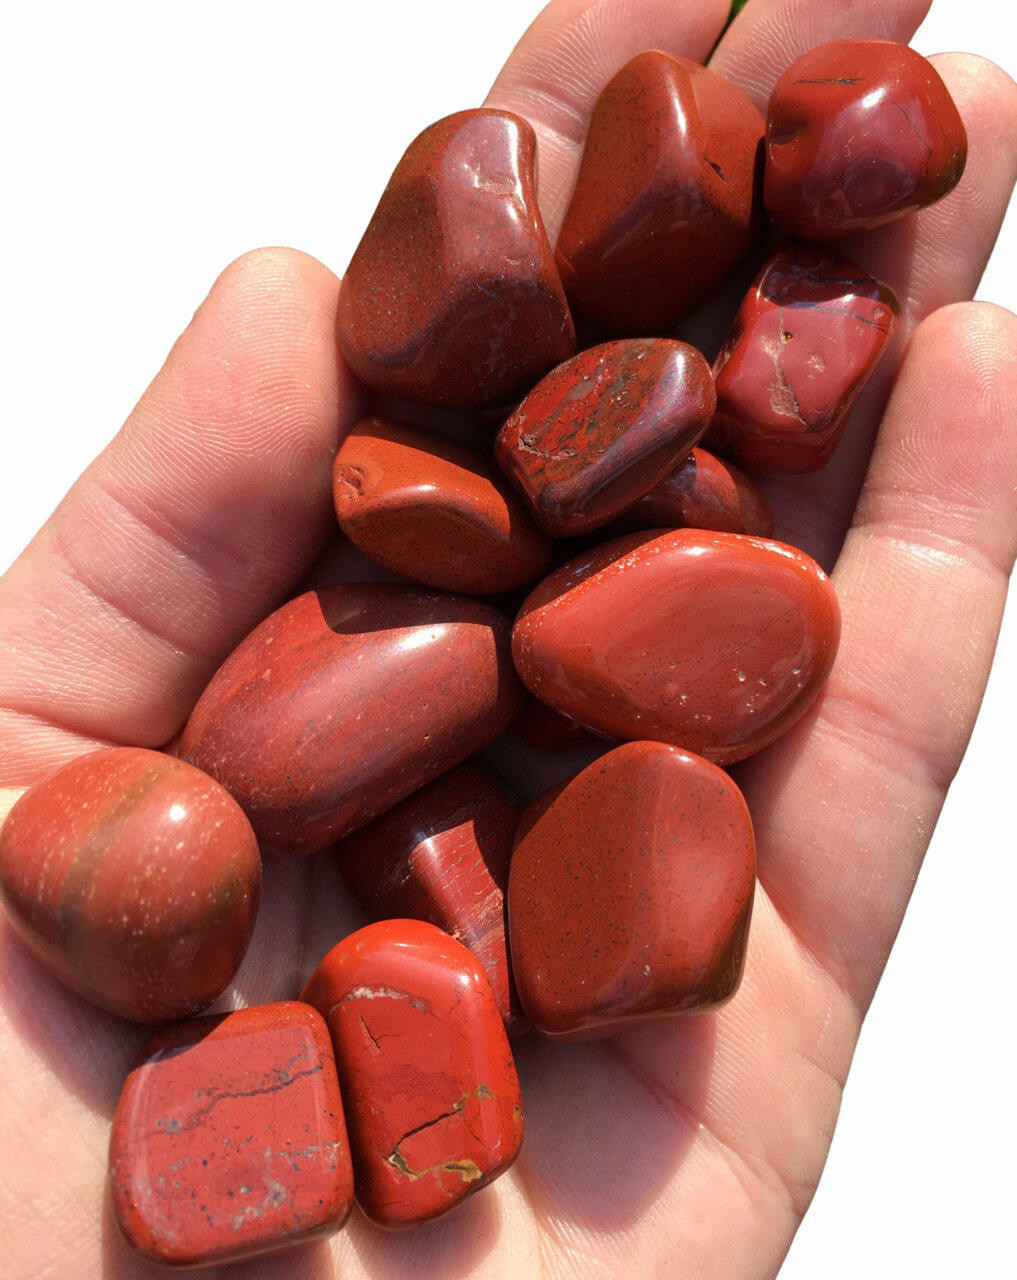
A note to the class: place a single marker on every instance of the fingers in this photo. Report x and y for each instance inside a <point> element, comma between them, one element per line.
<point>206,508</point>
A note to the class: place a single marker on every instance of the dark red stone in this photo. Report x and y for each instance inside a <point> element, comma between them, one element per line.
<point>346,700</point>
<point>229,1138</point>
<point>804,343</point>
<point>434,511</point>
<point>452,297</point>
<point>710,641</point>
<point>600,430</point>
<point>543,727</point>
<point>135,879</point>
<point>442,856</point>
<point>858,133</point>
<point>668,200</point>
<point>432,1099</point>
<point>630,893</point>
<point>701,492</point>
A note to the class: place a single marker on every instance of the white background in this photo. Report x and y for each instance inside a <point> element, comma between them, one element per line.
<point>147,145</point>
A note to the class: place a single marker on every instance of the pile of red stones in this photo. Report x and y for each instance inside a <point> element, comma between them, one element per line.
<point>671,625</point>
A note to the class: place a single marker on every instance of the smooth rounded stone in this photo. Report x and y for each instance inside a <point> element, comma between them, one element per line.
<point>668,200</point>
<point>859,132</point>
<point>435,511</point>
<point>442,856</point>
<point>701,492</point>
<point>600,430</point>
<point>345,701</point>
<point>452,297</point>
<point>135,879</point>
<point>807,338</point>
<point>229,1138</point>
<point>713,642</point>
<point>630,893</point>
<point>430,1088</point>
<point>543,727</point>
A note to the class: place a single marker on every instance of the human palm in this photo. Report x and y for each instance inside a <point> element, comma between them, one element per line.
<point>686,1148</point>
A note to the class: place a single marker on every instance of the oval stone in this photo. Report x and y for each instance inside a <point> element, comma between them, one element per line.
<point>701,492</point>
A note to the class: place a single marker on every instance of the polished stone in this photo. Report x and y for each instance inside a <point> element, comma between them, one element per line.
<point>543,727</point>
<point>701,492</point>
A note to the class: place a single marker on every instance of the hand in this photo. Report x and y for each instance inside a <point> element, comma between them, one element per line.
<point>689,1148</point>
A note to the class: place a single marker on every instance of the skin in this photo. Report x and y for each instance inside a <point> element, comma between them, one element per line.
<point>689,1149</point>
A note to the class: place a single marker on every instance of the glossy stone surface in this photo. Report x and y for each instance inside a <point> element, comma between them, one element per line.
<point>630,893</point>
<point>669,196</point>
<point>434,511</point>
<point>859,132</point>
<point>701,492</point>
<point>452,297</point>
<point>430,1088</point>
<point>135,879</point>
<point>603,428</point>
<point>710,641</point>
<point>229,1138</point>
<point>803,345</point>
<point>347,699</point>
<point>442,856</point>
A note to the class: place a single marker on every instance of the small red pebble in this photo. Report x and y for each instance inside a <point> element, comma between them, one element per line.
<point>702,492</point>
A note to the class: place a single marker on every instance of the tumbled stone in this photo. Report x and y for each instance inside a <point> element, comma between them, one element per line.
<point>543,727</point>
<point>430,1088</point>
<point>701,492</point>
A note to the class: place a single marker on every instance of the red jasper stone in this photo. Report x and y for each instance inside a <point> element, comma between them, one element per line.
<point>347,699</point>
<point>543,727</point>
<point>135,879</point>
<point>229,1138</point>
<point>710,641</point>
<point>434,511</point>
<point>630,893</point>
<point>452,296</point>
<point>432,1099</point>
<point>669,196</point>
<point>701,492</point>
<point>442,856</point>
<point>603,428</point>
<point>803,345</point>
<point>858,133</point>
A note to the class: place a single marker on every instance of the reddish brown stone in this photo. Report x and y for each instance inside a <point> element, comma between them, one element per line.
<point>452,296</point>
<point>858,133</point>
<point>701,492</point>
<point>710,641</point>
<point>668,200</point>
<point>442,856</point>
<point>345,701</point>
<point>434,511</point>
<point>803,345</point>
<point>630,893</point>
<point>543,727</point>
<point>229,1138</point>
<point>135,879</point>
<point>430,1088</point>
<point>603,428</point>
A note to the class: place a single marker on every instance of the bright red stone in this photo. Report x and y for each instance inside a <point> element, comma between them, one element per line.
<point>135,879</point>
<point>347,699</point>
<point>442,856</point>
<point>668,200</point>
<point>701,492</point>
<point>603,428</point>
<point>630,893</point>
<point>229,1138</point>
<point>858,133</point>
<point>432,1099</point>
<point>434,511</point>
<point>452,296</point>
<point>710,641</point>
<point>803,345</point>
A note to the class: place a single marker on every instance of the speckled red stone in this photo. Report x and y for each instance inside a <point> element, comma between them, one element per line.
<point>452,297</point>
<point>668,200</point>
<point>630,893</point>
<point>442,856</point>
<point>229,1138</point>
<point>434,511</point>
<point>710,641</point>
<point>859,132</point>
<point>603,428</point>
<point>135,879</point>
<point>804,343</point>
<point>701,492</point>
<point>430,1088</point>
<point>346,700</point>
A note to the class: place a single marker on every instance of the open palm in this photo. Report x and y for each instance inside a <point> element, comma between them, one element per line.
<point>689,1148</point>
